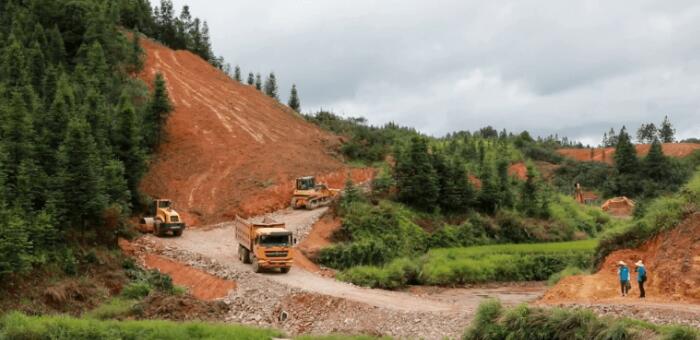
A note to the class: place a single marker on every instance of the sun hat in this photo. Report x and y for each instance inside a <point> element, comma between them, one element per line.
<point>622,263</point>
<point>639,264</point>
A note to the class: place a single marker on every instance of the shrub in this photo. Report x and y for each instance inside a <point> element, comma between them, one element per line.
<point>492,321</point>
<point>113,309</point>
<point>136,290</point>
<point>568,271</point>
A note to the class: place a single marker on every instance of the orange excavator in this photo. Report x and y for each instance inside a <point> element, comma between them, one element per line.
<point>310,195</point>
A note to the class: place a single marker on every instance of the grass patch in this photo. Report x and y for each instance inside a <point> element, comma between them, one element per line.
<point>115,308</point>
<point>502,262</point>
<point>492,321</point>
<point>19,326</point>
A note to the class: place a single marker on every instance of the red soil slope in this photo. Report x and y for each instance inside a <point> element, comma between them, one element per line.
<point>229,148</point>
<point>606,154</point>
<point>672,260</point>
<point>202,285</point>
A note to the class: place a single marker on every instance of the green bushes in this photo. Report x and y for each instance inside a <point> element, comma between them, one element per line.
<point>492,321</point>
<point>659,215</point>
<point>504,262</point>
<point>572,216</point>
<point>18,326</point>
<point>568,271</point>
<point>374,235</point>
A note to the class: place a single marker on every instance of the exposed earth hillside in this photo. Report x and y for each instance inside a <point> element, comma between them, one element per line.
<point>606,155</point>
<point>229,148</point>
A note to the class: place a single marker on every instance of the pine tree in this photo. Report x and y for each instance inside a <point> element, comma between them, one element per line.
<point>488,195</point>
<point>158,110</point>
<point>258,82</point>
<point>506,199</point>
<point>294,102</point>
<point>116,185</point>
<point>612,138</point>
<point>416,179</point>
<point>626,161</point>
<point>135,56</point>
<point>37,66</point>
<point>129,144</point>
<point>56,53</point>
<point>237,73</point>
<point>646,133</point>
<point>13,68</point>
<point>79,193</point>
<point>271,86</point>
<point>528,194</point>
<point>251,79</point>
<point>656,165</point>
<point>17,136</point>
<point>667,132</point>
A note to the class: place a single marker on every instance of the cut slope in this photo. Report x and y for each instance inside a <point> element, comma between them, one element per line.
<point>227,144</point>
<point>606,154</point>
<point>672,260</point>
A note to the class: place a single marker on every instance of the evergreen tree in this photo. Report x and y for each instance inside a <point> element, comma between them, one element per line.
<point>251,79</point>
<point>415,177</point>
<point>129,144</point>
<point>294,102</point>
<point>656,165</point>
<point>17,137</point>
<point>37,66</point>
<point>13,69</point>
<point>79,188</point>
<point>646,133</point>
<point>626,161</point>
<point>612,138</point>
<point>528,194</point>
<point>158,110</point>
<point>271,86</point>
<point>237,73</point>
<point>56,53</point>
<point>488,195</point>
<point>135,56</point>
<point>667,133</point>
<point>506,199</point>
<point>258,82</point>
<point>14,243</point>
<point>116,185</point>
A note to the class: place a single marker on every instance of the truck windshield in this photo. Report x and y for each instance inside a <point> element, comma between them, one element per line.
<point>164,204</point>
<point>305,184</point>
<point>274,240</point>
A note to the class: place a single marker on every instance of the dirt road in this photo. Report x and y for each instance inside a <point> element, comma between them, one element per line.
<point>302,302</point>
<point>218,243</point>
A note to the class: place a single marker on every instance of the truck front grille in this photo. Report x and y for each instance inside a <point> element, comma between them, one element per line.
<point>276,253</point>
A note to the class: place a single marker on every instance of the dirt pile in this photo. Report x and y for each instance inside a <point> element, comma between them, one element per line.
<point>230,149</point>
<point>606,155</point>
<point>672,260</point>
<point>201,285</point>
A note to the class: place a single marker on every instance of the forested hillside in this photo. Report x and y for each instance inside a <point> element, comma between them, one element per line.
<point>76,127</point>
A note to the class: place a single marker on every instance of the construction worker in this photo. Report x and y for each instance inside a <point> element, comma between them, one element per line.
<point>624,274</point>
<point>641,278</point>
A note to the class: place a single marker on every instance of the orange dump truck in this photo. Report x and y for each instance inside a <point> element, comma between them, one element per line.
<point>266,245</point>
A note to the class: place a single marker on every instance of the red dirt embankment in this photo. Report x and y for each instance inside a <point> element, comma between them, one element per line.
<point>229,148</point>
<point>672,260</point>
<point>202,285</point>
<point>605,155</point>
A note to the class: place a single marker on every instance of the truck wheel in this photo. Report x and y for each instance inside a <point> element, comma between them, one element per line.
<point>294,203</point>
<point>285,270</point>
<point>311,205</point>
<point>256,265</point>
<point>157,230</point>
<point>246,255</point>
<point>177,232</point>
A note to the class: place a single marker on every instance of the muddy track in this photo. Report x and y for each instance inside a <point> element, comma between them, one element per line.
<point>218,243</point>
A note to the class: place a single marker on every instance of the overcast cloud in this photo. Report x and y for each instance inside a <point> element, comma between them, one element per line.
<point>569,67</point>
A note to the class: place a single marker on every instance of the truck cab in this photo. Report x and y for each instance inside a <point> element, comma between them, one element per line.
<point>266,245</point>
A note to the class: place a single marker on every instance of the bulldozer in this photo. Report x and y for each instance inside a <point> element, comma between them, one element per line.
<point>163,219</point>
<point>310,195</point>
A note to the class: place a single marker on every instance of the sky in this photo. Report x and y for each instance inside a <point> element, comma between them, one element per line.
<point>573,68</point>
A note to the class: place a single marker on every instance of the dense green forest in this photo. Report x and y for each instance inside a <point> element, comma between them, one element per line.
<point>76,130</point>
<point>458,191</point>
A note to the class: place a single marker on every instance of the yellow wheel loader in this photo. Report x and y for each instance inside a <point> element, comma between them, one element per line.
<point>163,219</point>
<point>310,195</point>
